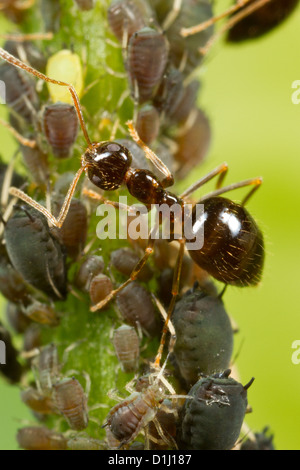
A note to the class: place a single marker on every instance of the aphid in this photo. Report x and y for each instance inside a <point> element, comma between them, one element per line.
<point>11,368</point>
<point>16,318</point>
<point>28,49</point>
<point>20,94</point>
<point>146,62</point>
<point>170,92</point>
<point>261,21</point>
<point>12,285</point>
<point>148,123</point>
<point>261,441</point>
<point>60,125</point>
<point>32,338</point>
<point>36,161</point>
<point>240,255</point>
<point>125,260</point>
<point>186,104</point>
<point>125,17</point>
<point>137,308</point>
<point>100,287</point>
<point>47,368</point>
<point>85,4</point>
<point>204,336</point>
<point>35,253</point>
<point>71,401</point>
<point>37,402</point>
<point>193,141</point>
<point>74,232</point>
<point>91,266</point>
<point>85,443</point>
<point>126,343</point>
<point>40,438</point>
<point>184,52</point>
<point>127,419</point>
<point>42,313</point>
<point>212,420</point>
<point>15,10</point>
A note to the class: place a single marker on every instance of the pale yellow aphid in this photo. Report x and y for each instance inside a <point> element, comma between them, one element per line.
<point>66,66</point>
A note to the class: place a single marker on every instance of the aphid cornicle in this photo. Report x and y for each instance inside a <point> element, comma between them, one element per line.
<point>262,21</point>
<point>35,253</point>
<point>212,420</point>
<point>204,336</point>
<point>70,399</point>
<point>40,438</point>
<point>60,125</point>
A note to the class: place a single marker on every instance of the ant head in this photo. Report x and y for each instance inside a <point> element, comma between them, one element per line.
<point>106,164</point>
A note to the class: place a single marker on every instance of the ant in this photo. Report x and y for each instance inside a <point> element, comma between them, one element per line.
<point>233,250</point>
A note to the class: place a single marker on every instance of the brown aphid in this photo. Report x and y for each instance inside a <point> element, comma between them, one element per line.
<point>125,259</point>
<point>40,438</point>
<point>90,267</point>
<point>37,402</point>
<point>60,125</point>
<point>47,368</point>
<point>42,313</point>
<point>36,161</point>
<point>100,287</point>
<point>32,338</point>
<point>85,5</point>
<point>186,104</point>
<point>85,443</point>
<point>146,64</point>
<point>125,17</point>
<point>136,306</point>
<point>20,94</point>
<point>74,231</point>
<point>16,318</point>
<point>71,401</point>
<point>170,91</point>
<point>126,343</point>
<point>148,123</point>
<point>193,141</point>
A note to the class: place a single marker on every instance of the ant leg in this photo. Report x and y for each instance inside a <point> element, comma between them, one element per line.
<point>220,171</point>
<point>18,63</point>
<point>57,222</point>
<point>148,252</point>
<point>256,182</point>
<point>155,160</point>
<point>175,291</point>
<point>232,22</point>
<point>186,32</point>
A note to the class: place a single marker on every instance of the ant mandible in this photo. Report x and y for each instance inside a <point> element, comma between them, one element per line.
<point>233,250</point>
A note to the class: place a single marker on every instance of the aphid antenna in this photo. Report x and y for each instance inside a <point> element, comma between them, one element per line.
<point>231,23</point>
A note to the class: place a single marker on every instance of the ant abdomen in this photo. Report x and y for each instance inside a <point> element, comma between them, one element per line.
<point>60,124</point>
<point>233,250</point>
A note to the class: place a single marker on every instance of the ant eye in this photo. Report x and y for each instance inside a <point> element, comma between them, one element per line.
<point>107,164</point>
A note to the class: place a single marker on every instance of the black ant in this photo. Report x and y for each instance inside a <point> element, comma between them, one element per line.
<point>233,244</point>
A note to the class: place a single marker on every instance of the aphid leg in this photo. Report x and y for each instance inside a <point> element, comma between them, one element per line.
<point>185,32</point>
<point>22,140</point>
<point>175,291</point>
<point>147,253</point>
<point>92,194</point>
<point>220,171</point>
<point>232,22</point>
<point>172,15</point>
<point>256,182</point>
<point>155,160</point>
<point>57,222</point>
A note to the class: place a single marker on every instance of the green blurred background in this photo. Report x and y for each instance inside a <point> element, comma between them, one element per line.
<point>247,93</point>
